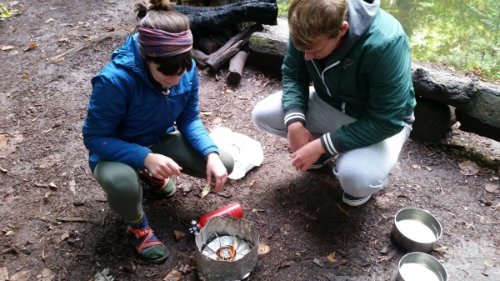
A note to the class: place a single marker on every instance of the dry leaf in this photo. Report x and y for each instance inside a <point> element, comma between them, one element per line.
<point>491,187</point>
<point>332,257</point>
<point>46,275</point>
<point>468,168</point>
<point>263,249</point>
<point>174,275</point>
<point>205,191</point>
<point>179,235</point>
<point>7,48</point>
<point>4,274</point>
<point>31,46</point>
<point>21,276</point>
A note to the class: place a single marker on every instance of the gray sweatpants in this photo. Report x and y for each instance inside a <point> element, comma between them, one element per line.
<point>362,171</point>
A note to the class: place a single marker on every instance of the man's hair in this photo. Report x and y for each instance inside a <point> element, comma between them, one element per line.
<point>310,19</point>
<point>160,14</point>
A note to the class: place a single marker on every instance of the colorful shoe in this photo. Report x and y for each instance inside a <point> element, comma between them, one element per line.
<point>149,248</point>
<point>165,188</point>
<point>321,162</point>
<point>354,201</point>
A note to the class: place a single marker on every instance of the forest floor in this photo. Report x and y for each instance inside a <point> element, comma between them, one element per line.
<point>56,223</point>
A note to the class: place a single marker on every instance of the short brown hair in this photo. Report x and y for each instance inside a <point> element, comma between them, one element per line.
<point>160,14</point>
<point>310,19</point>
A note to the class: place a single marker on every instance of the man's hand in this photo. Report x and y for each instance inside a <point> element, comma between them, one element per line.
<point>216,169</point>
<point>298,136</point>
<point>161,166</point>
<point>303,158</point>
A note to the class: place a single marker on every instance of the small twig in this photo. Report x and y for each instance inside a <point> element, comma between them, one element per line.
<point>76,219</point>
<point>58,58</point>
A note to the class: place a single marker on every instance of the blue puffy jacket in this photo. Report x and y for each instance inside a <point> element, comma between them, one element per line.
<point>127,112</point>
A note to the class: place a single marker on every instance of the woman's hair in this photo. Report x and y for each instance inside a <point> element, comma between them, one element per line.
<point>310,19</point>
<point>160,15</point>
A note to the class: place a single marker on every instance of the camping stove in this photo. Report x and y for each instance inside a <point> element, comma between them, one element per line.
<point>227,249</point>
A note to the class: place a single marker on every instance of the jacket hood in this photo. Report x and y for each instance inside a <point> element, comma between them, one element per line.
<point>360,16</point>
<point>129,57</point>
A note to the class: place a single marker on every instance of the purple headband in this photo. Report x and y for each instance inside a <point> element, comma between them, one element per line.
<point>159,43</point>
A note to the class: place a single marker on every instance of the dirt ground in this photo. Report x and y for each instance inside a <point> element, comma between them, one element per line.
<point>56,224</point>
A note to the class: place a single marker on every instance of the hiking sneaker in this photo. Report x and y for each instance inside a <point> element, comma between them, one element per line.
<point>165,187</point>
<point>354,201</point>
<point>149,248</point>
<point>322,161</point>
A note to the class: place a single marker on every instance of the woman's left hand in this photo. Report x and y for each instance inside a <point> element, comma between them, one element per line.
<point>216,169</point>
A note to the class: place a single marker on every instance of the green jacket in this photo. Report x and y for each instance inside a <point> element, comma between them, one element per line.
<point>368,77</point>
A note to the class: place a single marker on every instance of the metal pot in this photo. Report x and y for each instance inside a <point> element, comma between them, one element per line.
<point>419,266</point>
<point>416,230</point>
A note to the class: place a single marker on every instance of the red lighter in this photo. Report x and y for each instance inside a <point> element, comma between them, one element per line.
<point>232,210</point>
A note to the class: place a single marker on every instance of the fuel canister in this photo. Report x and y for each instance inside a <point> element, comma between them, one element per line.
<point>232,210</point>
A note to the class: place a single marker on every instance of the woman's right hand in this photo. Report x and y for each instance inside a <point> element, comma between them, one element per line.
<point>161,166</point>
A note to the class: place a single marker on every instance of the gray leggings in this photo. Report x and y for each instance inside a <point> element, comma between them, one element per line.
<point>362,171</point>
<point>121,182</point>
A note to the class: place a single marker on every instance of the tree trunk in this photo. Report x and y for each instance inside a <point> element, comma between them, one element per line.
<point>207,20</point>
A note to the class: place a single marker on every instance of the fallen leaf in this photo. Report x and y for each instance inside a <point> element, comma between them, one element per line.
<point>468,168</point>
<point>174,275</point>
<point>31,46</point>
<point>7,48</point>
<point>491,187</point>
<point>179,235</point>
<point>4,274</point>
<point>263,249</point>
<point>205,191</point>
<point>21,276</point>
<point>332,257</point>
<point>49,20</point>
<point>104,275</point>
<point>46,275</point>
<point>317,262</point>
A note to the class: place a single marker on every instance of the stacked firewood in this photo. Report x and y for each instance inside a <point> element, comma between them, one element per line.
<point>222,32</point>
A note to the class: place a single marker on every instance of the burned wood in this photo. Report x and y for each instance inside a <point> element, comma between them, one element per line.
<point>206,20</point>
<point>218,58</point>
<point>200,58</point>
<point>236,65</point>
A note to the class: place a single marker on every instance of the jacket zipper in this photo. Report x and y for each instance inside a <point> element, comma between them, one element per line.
<point>322,75</point>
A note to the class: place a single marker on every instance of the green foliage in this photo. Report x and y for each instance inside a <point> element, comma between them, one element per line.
<point>5,13</point>
<point>283,7</point>
<point>463,34</point>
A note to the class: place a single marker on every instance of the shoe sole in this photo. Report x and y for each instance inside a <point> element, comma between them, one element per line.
<point>357,202</point>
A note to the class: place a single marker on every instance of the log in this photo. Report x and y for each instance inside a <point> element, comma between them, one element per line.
<point>200,58</point>
<point>218,58</point>
<point>236,65</point>
<point>207,20</point>
<point>268,47</point>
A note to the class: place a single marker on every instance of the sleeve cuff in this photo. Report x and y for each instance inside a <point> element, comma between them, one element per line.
<point>327,143</point>
<point>294,115</point>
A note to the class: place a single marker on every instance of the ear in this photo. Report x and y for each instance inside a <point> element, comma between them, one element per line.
<point>343,28</point>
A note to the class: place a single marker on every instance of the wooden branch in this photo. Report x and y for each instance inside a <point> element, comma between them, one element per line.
<point>91,42</point>
<point>218,58</point>
<point>236,65</point>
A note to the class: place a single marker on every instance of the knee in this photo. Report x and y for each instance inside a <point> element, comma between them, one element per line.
<point>257,116</point>
<point>120,184</point>
<point>359,182</point>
